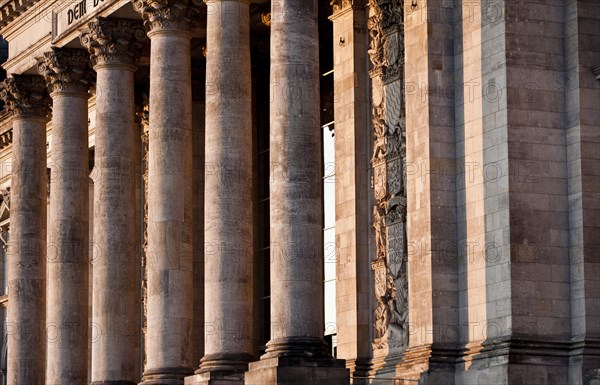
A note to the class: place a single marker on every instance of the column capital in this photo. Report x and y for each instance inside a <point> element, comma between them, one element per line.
<point>113,41</point>
<point>26,96</point>
<point>174,15</point>
<point>66,70</point>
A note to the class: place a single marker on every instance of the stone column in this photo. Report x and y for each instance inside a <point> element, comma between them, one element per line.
<point>114,45</point>
<point>68,77</point>
<point>296,198</point>
<point>26,97</point>
<point>228,200</point>
<point>296,349</point>
<point>170,208</point>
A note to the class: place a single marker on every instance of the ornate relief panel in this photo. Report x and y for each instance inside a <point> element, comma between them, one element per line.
<point>386,53</point>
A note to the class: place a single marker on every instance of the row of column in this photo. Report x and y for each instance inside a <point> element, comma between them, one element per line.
<point>296,226</point>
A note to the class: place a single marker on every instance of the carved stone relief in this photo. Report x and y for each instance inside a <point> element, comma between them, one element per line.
<point>142,117</point>
<point>66,69</point>
<point>386,53</point>
<point>173,14</point>
<point>113,41</point>
<point>339,5</point>
<point>26,95</point>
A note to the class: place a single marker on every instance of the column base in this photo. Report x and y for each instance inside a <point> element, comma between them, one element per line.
<point>297,371</point>
<point>215,378</point>
<point>166,376</point>
<point>426,364</point>
<point>299,347</point>
<point>225,363</point>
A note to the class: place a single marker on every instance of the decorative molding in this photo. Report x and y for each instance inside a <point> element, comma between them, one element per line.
<point>113,41</point>
<point>66,70</point>
<point>26,96</point>
<point>6,138</point>
<point>12,9</point>
<point>182,15</point>
<point>388,159</point>
<point>27,59</point>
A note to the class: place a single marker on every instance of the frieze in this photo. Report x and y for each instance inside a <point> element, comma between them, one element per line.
<point>75,14</point>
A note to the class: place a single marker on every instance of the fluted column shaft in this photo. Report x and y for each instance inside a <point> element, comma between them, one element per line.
<point>67,74</point>
<point>26,97</point>
<point>114,45</point>
<point>296,197</point>
<point>169,349</point>
<point>228,201</point>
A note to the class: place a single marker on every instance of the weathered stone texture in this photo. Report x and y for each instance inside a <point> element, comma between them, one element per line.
<point>351,178</point>
<point>68,77</point>
<point>169,261</point>
<point>27,98</point>
<point>228,200</point>
<point>115,304</point>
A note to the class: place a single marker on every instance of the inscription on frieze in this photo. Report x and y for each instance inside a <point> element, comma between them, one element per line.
<point>76,13</point>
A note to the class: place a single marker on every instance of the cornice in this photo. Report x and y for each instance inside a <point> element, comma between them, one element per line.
<point>27,59</point>
<point>40,11</point>
<point>11,9</point>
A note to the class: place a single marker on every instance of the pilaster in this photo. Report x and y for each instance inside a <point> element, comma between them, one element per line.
<point>431,204</point>
<point>582,85</point>
<point>354,299</point>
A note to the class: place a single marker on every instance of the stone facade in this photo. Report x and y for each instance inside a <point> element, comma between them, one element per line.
<point>166,175</point>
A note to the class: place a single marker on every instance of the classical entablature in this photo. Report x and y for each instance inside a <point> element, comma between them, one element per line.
<point>11,9</point>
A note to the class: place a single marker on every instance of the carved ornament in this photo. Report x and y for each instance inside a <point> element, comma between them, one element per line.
<point>113,41</point>
<point>26,95</point>
<point>180,15</point>
<point>389,267</point>
<point>339,5</point>
<point>66,69</point>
